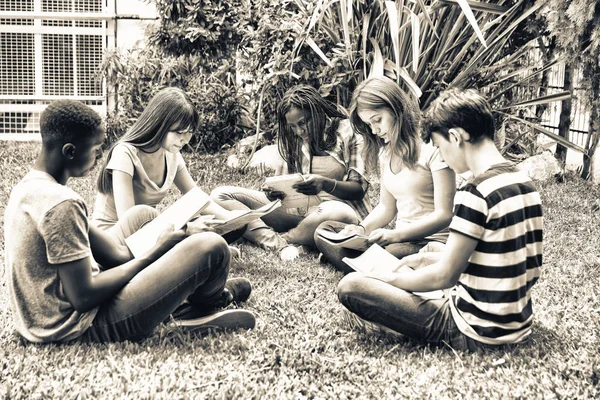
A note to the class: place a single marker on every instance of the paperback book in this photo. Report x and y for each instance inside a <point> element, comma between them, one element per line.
<point>353,241</point>
<point>376,259</point>
<point>292,199</point>
<point>178,214</point>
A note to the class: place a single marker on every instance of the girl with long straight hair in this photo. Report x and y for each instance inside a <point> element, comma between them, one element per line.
<point>417,187</point>
<point>142,166</point>
<point>315,140</point>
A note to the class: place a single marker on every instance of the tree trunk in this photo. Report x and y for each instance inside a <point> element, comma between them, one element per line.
<point>547,54</point>
<point>564,122</point>
<point>592,143</point>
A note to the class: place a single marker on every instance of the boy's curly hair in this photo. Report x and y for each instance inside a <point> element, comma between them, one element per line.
<point>65,121</point>
<point>459,108</point>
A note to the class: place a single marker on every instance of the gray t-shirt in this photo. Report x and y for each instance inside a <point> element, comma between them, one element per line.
<point>45,224</point>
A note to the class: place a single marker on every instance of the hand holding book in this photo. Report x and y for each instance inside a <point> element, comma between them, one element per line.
<point>286,187</point>
<point>379,264</point>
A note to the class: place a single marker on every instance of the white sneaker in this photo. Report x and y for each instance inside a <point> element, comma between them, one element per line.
<point>291,252</point>
<point>232,319</point>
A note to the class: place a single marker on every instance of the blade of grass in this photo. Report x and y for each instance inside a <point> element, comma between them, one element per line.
<point>378,62</point>
<point>479,6</point>
<point>521,81</point>
<point>345,27</point>
<point>426,16</point>
<point>565,142</point>
<point>365,33</point>
<point>392,13</point>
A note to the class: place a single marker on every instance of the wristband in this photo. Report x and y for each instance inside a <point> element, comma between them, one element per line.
<point>333,188</point>
<point>364,229</point>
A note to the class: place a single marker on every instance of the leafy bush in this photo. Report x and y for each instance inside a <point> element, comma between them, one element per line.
<point>425,45</point>
<point>192,47</point>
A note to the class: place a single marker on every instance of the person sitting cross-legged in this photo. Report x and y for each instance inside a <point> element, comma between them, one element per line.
<point>70,280</point>
<point>493,255</point>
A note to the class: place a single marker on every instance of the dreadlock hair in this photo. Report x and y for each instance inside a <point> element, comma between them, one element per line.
<point>169,110</point>
<point>381,93</point>
<point>65,121</point>
<point>323,118</point>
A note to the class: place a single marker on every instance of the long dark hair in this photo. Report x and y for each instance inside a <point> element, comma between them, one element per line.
<point>323,118</point>
<point>380,93</point>
<point>170,108</point>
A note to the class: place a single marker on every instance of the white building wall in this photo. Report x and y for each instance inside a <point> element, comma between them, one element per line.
<point>133,17</point>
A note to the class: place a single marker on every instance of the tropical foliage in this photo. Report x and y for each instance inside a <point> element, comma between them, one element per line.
<point>575,27</point>
<point>425,45</point>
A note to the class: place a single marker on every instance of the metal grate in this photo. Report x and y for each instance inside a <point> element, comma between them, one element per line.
<point>57,69</point>
<point>20,5</point>
<point>48,57</point>
<point>88,79</point>
<point>17,69</point>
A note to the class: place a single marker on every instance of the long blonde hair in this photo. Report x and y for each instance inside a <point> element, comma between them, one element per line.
<point>382,93</point>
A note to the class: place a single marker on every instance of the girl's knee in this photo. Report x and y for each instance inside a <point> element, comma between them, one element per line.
<point>142,211</point>
<point>337,211</point>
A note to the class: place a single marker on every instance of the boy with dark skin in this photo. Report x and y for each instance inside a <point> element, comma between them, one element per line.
<point>59,292</point>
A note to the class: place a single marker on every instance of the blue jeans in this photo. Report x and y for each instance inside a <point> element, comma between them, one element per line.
<point>263,231</point>
<point>334,254</point>
<point>196,268</point>
<point>416,317</point>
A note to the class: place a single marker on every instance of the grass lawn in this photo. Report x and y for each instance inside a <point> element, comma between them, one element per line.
<point>303,348</point>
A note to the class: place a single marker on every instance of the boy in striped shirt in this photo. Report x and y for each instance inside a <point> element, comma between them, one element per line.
<point>493,255</point>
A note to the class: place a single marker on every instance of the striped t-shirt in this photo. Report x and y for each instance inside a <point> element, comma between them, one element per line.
<point>502,210</point>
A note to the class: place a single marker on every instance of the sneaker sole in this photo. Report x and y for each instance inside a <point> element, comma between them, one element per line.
<point>223,320</point>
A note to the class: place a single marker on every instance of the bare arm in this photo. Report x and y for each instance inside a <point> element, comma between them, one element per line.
<point>122,184</point>
<point>443,195</point>
<point>105,250</point>
<point>441,275</point>
<point>383,213</point>
<point>85,291</point>
<point>345,190</point>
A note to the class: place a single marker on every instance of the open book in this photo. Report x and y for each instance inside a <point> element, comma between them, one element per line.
<point>376,259</point>
<point>354,241</point>
<point>178,214</point>
<point>292,199</point>
<point>244,217</point>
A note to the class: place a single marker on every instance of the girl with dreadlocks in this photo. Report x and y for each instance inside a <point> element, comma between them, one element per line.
<point>316,140</point>
<point>417,187</point>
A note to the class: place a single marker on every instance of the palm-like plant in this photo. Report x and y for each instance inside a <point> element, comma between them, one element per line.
<point>427,46</point>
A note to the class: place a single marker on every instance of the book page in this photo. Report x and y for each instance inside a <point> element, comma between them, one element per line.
<point>178,214</point>
<point>376,259</point>
<point>292,199</point>
<point>246,217</point>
